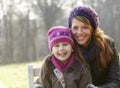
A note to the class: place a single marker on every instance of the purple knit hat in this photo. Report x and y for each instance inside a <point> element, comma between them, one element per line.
<point>59,34</point>
<point>87,12</point>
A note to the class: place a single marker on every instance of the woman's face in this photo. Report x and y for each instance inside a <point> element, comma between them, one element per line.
<point>81,32</point>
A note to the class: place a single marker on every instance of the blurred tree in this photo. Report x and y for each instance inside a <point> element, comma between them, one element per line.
<point>8,32</point>
<point>51,11</point>
<point>111,22</point>
<point>26,49</point>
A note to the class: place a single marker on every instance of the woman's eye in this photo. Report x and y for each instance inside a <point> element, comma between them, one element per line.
<point>75,28</point>
<point>85,27</point>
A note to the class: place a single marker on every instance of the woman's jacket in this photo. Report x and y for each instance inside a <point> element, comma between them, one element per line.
<point>109,78</point>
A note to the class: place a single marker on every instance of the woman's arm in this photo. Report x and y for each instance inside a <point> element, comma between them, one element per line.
<point>114,72</point>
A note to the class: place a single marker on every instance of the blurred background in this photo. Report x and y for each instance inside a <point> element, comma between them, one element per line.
<point>23,31</point>
<point>24,25</point>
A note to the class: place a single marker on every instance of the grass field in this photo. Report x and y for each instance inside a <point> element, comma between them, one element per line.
<point>15,75</point>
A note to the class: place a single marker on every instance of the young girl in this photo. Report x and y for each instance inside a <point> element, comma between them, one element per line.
<point>63,68</point>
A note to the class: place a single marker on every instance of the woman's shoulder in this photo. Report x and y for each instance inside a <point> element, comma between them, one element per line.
<point>108,39</point>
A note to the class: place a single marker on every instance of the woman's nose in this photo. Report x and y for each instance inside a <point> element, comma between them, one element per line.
<point>79,31</point>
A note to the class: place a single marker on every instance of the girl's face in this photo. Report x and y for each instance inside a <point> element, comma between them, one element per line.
<point>81,32</point>
<point>62,51</point>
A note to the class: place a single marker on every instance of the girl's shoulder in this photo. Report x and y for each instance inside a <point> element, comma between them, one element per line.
<point>79,65</point>
<point>47,59</point>
<point>47,62</point>
<point>47,66</point>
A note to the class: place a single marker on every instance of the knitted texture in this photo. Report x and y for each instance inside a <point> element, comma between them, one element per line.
<point>84,11</point>
<point>59,34</point>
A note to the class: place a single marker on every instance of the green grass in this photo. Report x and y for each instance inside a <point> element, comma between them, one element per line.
<point>15,75</point>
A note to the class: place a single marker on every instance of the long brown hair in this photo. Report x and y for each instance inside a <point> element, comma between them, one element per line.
<point>103,48</point>
<point>45,73</point>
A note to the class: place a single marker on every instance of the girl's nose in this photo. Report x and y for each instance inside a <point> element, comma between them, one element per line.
<point>61,47</point>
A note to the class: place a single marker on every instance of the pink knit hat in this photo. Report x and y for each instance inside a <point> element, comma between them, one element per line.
<point>59,34</point>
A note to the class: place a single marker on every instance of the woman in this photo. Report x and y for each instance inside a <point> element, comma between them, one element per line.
<point>97,48</point>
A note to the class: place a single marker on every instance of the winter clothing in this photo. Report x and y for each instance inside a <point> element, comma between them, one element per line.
<point>87,12</point>
<point>110,77</point>
<point>76,76</point>
<point>59,34</point>
<point>62,67</point>
<point>74,73</point>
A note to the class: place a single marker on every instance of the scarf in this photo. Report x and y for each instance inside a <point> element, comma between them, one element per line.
<point>89,53</point>
<point>59,65</point>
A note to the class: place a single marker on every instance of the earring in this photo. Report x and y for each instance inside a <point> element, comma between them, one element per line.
<point>72,51</point>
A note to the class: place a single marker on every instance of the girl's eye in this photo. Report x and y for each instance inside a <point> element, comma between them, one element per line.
<point>56,45</point>
<point>65,44</point>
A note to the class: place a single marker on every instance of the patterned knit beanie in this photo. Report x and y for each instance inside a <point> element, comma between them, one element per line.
<point>59,34</point>
<point>87,12</point>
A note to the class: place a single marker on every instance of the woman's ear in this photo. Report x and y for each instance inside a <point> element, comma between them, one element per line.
<point>72,51</point>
